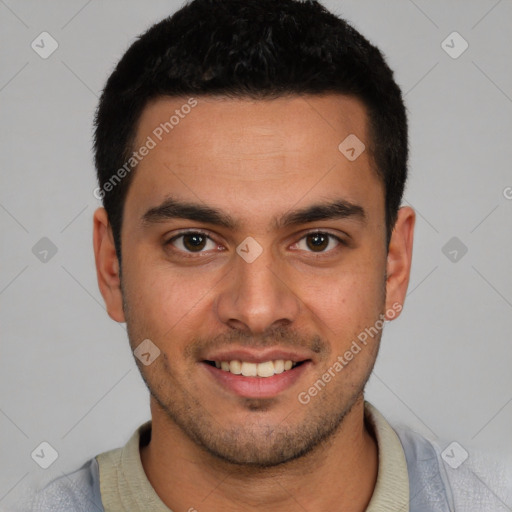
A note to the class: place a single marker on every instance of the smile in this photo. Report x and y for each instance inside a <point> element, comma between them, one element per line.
<point>263,379</point>
<point>249,369</point>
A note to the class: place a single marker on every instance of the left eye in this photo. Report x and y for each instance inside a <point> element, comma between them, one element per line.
<point>192,242</point>
<point>318,242</point>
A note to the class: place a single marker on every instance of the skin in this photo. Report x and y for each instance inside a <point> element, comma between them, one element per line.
<point>256,160</point>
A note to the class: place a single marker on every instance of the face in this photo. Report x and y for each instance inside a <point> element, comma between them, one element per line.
<point>251,243</point>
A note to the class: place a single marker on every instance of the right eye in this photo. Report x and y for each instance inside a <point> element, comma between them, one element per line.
<point>191,242</point>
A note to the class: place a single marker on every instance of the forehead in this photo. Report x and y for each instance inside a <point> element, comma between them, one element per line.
<point>253,155</point>
<point>291,122</point>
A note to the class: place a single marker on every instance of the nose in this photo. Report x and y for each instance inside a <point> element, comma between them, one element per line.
<point>256,296</point>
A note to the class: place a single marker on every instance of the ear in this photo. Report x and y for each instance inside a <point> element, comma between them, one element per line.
<point>107,265</point>
<point>399,259</point>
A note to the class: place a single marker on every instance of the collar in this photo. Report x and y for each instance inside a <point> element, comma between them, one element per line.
<point>391,491</point>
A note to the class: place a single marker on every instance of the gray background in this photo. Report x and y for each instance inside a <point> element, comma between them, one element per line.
<point>66,373</point>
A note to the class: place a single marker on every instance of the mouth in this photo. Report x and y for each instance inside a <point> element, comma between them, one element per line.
<point>262,378</point>
<point>263,370</point>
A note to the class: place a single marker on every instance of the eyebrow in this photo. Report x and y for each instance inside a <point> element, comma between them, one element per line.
<point>172,208</point>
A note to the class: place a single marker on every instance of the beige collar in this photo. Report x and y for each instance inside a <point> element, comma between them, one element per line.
<point>391,491</point>
<point>124,485</point>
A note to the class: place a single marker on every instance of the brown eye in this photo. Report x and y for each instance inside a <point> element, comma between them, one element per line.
<point>318,242</point>
<point>193,242</point>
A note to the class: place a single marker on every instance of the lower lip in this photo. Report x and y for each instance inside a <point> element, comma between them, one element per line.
<point>257,387</point>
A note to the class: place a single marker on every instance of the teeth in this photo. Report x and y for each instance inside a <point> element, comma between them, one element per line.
<point>235,367</point>
<point>279,366</point>
<point>249,369</point>
<point>266,369</point>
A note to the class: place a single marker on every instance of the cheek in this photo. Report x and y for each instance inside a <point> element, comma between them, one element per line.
<point>346,308</point>
<point>346,299</point>
<point>166,301</point>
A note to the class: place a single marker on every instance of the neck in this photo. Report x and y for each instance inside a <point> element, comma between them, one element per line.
<point>185,477</point>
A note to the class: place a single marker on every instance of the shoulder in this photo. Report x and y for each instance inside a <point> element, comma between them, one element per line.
<point>429,489</point>
<point>446,474</point>
<point>78,491</point>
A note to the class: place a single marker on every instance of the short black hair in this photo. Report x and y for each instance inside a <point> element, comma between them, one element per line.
<point>259,49</point>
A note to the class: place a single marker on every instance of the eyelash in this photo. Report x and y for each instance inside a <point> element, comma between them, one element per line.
<point>189,254</point>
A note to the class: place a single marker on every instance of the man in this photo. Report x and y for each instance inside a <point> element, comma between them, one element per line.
<point>251,159</point>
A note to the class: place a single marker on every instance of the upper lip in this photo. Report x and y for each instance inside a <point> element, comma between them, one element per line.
<point>257,356</point>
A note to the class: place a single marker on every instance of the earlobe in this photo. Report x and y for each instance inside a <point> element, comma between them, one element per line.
<point>107,265</point>
<point>399,260</point>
